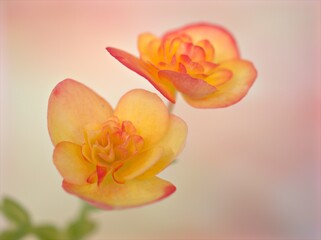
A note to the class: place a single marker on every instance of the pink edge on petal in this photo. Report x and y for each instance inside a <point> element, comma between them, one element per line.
<point>192,87</point>
<point>169,190</point>
<point>220,38</point>
<point>91,194</point>
<point>231,91</point>
<point>71,106</point>
<point>140,67</point>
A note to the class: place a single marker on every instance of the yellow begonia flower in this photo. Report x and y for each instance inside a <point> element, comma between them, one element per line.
<point>201,61</point>
<point>110,157</point>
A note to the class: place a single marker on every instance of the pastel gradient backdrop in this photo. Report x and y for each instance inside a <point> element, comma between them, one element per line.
<point>250,170</point>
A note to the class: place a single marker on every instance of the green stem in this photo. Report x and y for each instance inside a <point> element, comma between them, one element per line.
<point>85,209</point>
<point>170,107</point>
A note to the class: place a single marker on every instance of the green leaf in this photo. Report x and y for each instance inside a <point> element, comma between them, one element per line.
<point>14,212</point>
<point>175,161</point>
<point>15,234</point>
<point>83,225</point>
<point>80,229</point>
<point>47,232</point>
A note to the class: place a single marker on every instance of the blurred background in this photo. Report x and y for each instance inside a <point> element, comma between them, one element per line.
<point>250,171</point>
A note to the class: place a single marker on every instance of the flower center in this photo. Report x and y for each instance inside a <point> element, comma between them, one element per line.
<point>179,53</point>
<point>108,145</point>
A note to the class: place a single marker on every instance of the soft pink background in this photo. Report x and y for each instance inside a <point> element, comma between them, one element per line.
<point>251,170</point>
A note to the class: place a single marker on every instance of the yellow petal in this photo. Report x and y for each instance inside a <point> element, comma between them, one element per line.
<point>144,40</point>
<point>173,143</point>
<point>71,107</point>
<point>146,111</point>
<point>219,77</point>
<point>71,164</point>
<point>175,136</point>
<point>231,91</point>
<point>133,193</point>
<point>137,164</point>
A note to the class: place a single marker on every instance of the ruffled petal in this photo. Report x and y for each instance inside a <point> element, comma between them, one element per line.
<point>71,164</point>
<point>222,41</point>
<point>147,112</point>
<point>111,195</point>
<point>233,90</point>
<point>71,107</point>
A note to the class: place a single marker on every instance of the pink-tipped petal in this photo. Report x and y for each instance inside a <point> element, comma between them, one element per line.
<point>71,164</point>
<point>147,112</point>
<point>146,71</point>
<point>193,87</point>
<point>197,53</point>
<point>71,107</point>
<point>192,67</point>
<point>208,49</point>
<point>233,90</point>
<point>111,195</point>
<point>222,41</point>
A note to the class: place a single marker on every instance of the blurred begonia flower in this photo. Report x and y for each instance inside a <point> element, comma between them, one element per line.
<point>110,157</point>
<point>201,61</point>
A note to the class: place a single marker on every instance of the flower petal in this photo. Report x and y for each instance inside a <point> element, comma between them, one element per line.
<point>71,164</point>
<point>133,193</point>
<point>219,77</point>
<point>222,41</point>
<point>146,71</point>
<point>144,41</point>
<point>146,111</point>
<point>137,164</point>
<point>175,136</point>
<point>208,49</point>
<point>233,90</point>
<point>193,87</point>
<point>172,143</point>
<point>71,106</point>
